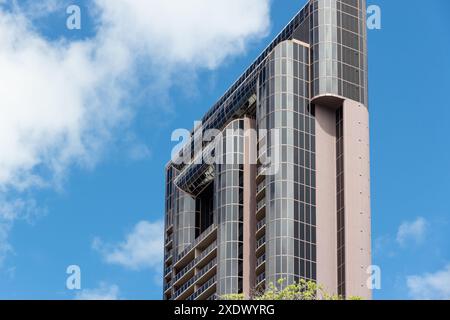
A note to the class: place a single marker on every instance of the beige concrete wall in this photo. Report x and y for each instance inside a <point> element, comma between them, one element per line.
<point>357,199</point>
<point>249,214</point>
<point>326,198</point>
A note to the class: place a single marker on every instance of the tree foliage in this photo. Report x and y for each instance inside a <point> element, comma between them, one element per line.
<point>302,290</point>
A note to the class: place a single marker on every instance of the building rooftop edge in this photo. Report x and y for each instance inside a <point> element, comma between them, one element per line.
<point>265,52</point>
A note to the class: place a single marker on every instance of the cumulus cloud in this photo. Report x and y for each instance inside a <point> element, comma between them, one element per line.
<point>57,104</point>
<point>412,231</point>
<point>61,102</point>
<point>198,32</point>
<point>141,249</point>
<point>103,292</point>
<point>430,286</point>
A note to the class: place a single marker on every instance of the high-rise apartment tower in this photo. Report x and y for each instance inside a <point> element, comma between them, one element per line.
<point>231,226</point>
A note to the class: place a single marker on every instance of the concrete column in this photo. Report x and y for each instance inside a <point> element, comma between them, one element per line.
<point>249,226</point>
<point>357,199</point>
<point>326,198</point>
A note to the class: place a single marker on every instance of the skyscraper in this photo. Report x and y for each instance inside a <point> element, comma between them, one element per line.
<point>301,209</point>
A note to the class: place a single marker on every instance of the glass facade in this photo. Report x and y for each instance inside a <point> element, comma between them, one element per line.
<point>338,38</point>
<point>229,206</point>
<point>185,226</point>
<point>319,57</point>
<point>170,195</point>
<point>290,194</point>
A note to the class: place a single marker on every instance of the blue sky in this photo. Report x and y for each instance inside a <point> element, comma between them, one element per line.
<point>92,196</point>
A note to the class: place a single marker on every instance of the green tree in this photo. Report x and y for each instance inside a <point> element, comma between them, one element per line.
<point>302,290</point>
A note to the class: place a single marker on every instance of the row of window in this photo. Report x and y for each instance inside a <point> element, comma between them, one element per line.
<point>290,269</point>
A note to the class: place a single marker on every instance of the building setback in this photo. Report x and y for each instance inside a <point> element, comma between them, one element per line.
<point>230,227</point>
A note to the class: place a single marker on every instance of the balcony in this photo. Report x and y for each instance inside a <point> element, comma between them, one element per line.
<point>260,242</point>
<point>261,260</point>
<point>260,245</point>
<point>169,239</point>
<point>261,209</point>
<point>185,274</point>
<point>188,270</point>
<point>167,286</point>
<point>168,256</point>
<point>260,263</point>
<point>205,288</point>
<point>207,236</point>
<point>204,273</point>
<point>261,206</point>
<point>261,224</point>
<point>261,191</point>
<point>260,278</point>
<point>207,251</point>
<point>260,282</point>
<point>260,228</point>
<point>184,288</point>
<point>167,272</point>
<point>261,187</point>
<point>261,170</point>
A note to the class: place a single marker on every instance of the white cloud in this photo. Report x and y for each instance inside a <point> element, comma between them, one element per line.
<point>103,292</point>
<point>430,286</point>
<point>412,230</point>
<point>141,249</point>
<point>58,104</point>
<point>198,32</point>
<point>61,102</point>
